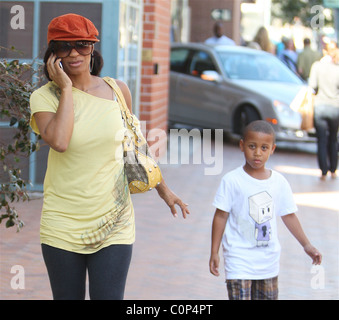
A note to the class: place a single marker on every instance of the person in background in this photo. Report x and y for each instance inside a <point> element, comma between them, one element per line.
<point>280,46</point>
<point>219,38</point>
<point>324,79</point>
<point>289,55</point>
<point>262,41</point>
<point>306,58</point>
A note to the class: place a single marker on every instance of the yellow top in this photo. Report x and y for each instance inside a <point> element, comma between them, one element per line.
<point>87,204</point>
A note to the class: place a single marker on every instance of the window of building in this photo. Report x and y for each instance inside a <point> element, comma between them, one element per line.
<point>16,29</point>
<point>130,43</point>
<point>181,21</point>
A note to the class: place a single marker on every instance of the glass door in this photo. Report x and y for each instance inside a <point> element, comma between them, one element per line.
<point>130,46</point>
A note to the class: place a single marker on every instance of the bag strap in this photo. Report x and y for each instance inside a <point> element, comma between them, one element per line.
<point>126,114</point>
<point>123,106</point>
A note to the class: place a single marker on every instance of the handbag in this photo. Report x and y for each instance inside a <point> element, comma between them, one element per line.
<point>306,110</point>
<point>142,171</point>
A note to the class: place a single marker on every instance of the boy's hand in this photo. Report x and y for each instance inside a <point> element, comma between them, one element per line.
<point>214,264</point>
<point>313,253</point>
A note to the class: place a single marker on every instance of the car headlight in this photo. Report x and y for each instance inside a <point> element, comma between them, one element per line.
<point>282,108</point>
<point>287,118</point>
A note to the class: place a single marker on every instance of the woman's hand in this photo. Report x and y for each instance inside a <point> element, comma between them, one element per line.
<point>172,199</point>
<point>56,73</point>
<point>56,129</point>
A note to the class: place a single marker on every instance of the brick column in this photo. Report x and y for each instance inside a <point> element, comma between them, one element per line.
<point>155,67</point>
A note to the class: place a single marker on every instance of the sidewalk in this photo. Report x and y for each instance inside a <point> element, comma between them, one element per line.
<point>170,258</point>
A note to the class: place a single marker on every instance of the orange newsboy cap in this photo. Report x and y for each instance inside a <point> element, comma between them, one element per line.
<point>71,27</point>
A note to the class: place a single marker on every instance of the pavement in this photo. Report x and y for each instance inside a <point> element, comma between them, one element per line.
<point>170,257</point>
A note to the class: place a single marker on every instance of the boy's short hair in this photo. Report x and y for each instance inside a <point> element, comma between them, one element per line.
<point>259,126</point>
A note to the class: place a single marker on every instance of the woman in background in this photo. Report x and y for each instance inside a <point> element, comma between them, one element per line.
<point>324,79</point>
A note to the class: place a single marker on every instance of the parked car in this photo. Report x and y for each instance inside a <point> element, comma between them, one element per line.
<point>229,86</point>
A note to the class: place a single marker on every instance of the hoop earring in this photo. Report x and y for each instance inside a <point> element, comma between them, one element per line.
<point>91,64</point>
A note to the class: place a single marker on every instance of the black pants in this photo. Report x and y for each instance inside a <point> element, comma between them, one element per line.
<point>326,121</point>
<point>107,272</point>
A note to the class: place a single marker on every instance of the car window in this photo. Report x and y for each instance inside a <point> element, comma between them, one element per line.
<point>256,67</point>
<point>179,58</point>
<point>201,61</point>
<point>240,67</point>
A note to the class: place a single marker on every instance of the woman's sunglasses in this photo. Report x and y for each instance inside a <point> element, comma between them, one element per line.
<point>63,49</point>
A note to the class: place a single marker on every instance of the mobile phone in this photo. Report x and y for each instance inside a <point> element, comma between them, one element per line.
<point>60,64</point>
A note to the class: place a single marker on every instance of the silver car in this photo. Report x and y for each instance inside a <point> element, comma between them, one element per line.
<point>229,86</point>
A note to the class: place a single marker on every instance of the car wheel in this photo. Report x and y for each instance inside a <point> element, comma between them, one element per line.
<point>246,115</point>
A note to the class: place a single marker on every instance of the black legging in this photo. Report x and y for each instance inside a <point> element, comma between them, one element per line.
<point>107,272</point>
<point>326,121</point>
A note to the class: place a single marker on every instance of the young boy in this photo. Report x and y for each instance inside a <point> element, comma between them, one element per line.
<point>248,200</point>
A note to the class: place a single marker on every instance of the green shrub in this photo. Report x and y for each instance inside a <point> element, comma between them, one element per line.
<point>17,82</point>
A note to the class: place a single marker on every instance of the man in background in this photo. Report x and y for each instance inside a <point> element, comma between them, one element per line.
<point>306,58</point>
<point>219,37</point>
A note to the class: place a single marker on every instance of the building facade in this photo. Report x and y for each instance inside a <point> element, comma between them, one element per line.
<point>135,37</point>
<point>134,42</point>
<point>204,14</point>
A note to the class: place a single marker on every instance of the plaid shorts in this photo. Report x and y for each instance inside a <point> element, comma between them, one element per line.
<point>266,289</point>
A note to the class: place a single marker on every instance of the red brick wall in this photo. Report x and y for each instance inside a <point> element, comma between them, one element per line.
<point>156,51</point>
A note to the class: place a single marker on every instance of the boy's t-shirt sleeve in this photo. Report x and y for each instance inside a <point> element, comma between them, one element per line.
<point>286,203</point>
<point>223,196</point>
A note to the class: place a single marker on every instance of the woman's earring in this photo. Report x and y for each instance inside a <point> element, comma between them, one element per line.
<point>91,64</point>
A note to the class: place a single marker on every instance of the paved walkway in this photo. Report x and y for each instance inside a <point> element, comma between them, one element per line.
<point>170,259</point>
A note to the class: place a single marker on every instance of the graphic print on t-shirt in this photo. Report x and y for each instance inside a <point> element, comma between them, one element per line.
<point>261,211</point>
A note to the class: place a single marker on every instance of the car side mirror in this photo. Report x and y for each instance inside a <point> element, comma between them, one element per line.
<point>211,75</point>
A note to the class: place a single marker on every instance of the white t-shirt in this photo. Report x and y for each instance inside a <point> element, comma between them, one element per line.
<point>223,40</point>
<point>250,242</point>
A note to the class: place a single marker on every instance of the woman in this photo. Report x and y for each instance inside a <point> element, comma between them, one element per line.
<point>324,79</point>
<point>262,41</point>
<point>288,55</point>
<point>87,219</point>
